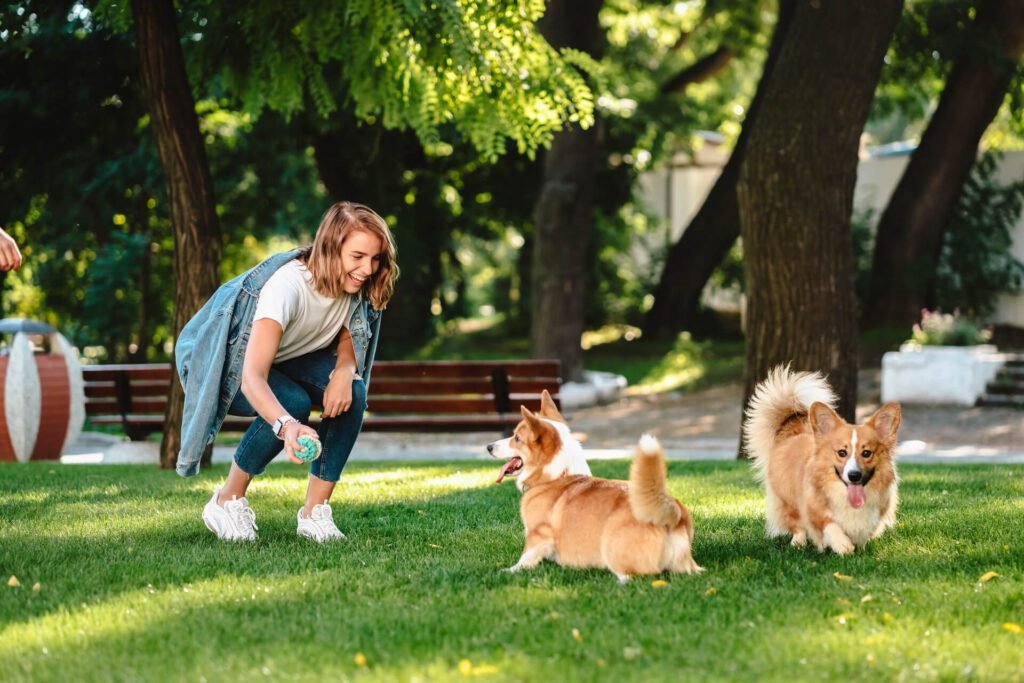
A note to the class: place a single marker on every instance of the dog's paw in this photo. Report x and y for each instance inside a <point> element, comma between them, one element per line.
<point>836,539</point>
<point>513,569</point>
<point>799,539</point>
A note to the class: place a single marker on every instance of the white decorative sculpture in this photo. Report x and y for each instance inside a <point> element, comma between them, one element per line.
<point>43,403</point>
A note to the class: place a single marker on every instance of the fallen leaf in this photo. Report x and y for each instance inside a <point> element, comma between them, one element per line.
<point>577,636</point>
<point>13,581</point>
<point>711,591</point>
<point>867,598</point>
<point>432,545</point>
<point>659,583</point>
<point>36,587</point>
<point>886,618</point>
<point>553,615</point>
<point>1013,628</point>
<point>988,576</point>
<point>360,659</point>
<point>600,662</point>
<point>845,617</point>
<point>465,667</point>
<point>842,577</point>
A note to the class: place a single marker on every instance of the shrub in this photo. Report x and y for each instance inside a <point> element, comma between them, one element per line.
<point>948,329</point>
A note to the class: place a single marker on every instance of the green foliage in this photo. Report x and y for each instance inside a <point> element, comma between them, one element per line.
<point>930,37</point>
<point>477,66</point>
<point>131,585</point>
<point>976,264</point>
<point>948,329</point>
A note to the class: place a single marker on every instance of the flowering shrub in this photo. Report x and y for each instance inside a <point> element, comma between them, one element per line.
<point>948,329</point>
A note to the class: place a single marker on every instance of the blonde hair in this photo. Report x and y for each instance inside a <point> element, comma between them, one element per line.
<point>323,257</point>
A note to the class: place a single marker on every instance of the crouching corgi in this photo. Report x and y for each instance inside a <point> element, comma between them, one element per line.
<point>824,478</point>
<point>578,520</point>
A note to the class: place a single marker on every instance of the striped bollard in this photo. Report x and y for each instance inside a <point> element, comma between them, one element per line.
<point>42,403</point>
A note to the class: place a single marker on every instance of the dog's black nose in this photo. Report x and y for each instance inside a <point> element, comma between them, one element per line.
<point>490,448</point>
<point>854,476</point>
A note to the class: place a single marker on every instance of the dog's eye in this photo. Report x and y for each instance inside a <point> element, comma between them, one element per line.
<point>842,453</point>
<point>515,438</point>
<point>865,454</point>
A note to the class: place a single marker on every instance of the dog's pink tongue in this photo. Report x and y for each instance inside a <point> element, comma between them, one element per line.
<point>511,466</point>
<point>855,496</point>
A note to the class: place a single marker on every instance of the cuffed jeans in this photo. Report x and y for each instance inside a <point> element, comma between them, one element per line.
<point>299,384</point>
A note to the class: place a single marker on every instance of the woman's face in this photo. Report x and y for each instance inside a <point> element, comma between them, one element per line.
<point>360,256</point>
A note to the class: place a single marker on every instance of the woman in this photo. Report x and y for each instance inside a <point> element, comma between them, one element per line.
<point>298,330</point>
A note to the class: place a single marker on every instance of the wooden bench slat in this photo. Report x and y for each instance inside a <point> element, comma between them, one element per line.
<point>108,389</point>
<point>413,369</point>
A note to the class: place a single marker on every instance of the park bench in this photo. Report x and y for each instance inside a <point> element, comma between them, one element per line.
<point>405,396</point>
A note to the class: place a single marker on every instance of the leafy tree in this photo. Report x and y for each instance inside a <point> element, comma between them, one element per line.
<point>987,44</point>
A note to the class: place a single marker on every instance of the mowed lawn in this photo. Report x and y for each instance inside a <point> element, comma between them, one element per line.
<point>119,580</point>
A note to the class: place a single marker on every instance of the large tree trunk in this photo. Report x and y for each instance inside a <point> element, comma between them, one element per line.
<point>711,233</point>
<point>910,231</point>
<point>197,239</point>
<point>564,212</point>
<point>795,193</point>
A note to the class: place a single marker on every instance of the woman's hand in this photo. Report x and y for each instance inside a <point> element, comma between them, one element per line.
<point>291,433</point>
<point>10,257</point>
<point>338,394</point>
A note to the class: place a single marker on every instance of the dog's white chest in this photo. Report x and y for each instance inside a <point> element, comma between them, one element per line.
<point>858,524</point>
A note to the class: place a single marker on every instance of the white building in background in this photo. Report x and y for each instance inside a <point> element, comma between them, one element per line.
<point>676,193</point>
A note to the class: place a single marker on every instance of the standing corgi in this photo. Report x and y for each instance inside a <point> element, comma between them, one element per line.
<point>824,478</point>
<point>577,520</point>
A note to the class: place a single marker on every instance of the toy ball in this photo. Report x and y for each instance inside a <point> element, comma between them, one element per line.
<point>308,450</point>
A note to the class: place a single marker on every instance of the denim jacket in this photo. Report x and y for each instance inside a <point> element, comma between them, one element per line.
<point>211,347</point>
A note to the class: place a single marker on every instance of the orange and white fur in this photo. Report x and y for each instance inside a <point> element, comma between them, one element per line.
<point>578,520</point>
<point>824,478</point>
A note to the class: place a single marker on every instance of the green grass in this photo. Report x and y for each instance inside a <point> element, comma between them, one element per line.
<point>133,587</point>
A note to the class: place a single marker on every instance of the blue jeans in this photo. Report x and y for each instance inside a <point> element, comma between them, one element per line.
<point>299,384</point>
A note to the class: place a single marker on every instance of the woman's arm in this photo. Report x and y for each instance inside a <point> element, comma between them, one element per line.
<point>338,394</point>
<point>264,340</point>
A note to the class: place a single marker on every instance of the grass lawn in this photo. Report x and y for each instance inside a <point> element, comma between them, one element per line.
<point>131,586</point>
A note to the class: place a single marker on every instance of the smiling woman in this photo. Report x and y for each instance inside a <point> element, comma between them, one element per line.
<point>299,329</point>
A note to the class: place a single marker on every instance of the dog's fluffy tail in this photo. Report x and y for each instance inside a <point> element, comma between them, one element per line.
<point>781,395</point>
<point>647,495</point>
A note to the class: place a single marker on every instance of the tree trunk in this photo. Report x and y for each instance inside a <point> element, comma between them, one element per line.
<point>564,212</point>
<point>910,231</point>
<point>197,238</point>
<point>711,233</point>
<point>795,193</point>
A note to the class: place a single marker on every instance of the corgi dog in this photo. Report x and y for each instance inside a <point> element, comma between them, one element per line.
<point>577,520</point>
<point>824,478</point>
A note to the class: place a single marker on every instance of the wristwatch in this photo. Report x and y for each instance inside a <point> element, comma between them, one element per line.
<point>279,424</point>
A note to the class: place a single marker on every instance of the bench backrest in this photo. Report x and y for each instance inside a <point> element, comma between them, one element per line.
<point>414,395</point>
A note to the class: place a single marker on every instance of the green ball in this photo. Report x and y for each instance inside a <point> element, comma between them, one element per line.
<point>308,450</point>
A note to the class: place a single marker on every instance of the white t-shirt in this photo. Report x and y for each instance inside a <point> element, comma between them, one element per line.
<point>310,320</point>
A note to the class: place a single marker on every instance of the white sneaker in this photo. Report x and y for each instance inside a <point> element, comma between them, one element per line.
<point>235,521</point>
<point>320,525</point>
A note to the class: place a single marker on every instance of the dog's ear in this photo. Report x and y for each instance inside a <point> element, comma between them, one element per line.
<point>886,422</point>
<point>823,419</point>
<point>537,426</point>
<point>548,408</point>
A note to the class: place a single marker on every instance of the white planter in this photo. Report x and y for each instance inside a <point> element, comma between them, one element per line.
<point>939,374</point>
